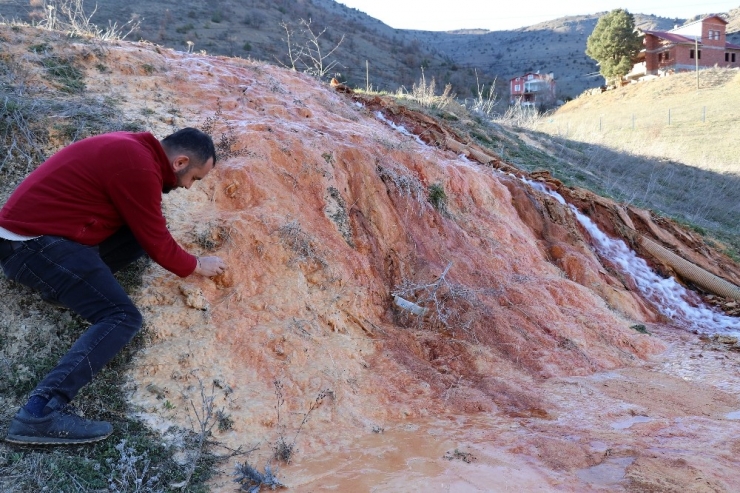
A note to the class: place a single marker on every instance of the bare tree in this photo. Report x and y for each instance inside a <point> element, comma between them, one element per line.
<point>295,52</point>
<point>305,50</point>
<point>318,67</point>
<point>69,15</point>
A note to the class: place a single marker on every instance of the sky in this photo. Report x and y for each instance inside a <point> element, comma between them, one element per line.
<point>500,16</point>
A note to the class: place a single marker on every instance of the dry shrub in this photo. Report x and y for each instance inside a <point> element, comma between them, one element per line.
<point>443,305</point>
<point>405,183</point>
<point>424,93</point>
<point>301,244</point>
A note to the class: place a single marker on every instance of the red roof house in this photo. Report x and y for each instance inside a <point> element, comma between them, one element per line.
<point>533,89</point>
<point>701,43</point>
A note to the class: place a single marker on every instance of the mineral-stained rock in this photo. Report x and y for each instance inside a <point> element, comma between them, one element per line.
<point>523,358</point>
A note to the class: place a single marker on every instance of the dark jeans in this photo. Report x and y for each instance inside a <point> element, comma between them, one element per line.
<point>81,278</point>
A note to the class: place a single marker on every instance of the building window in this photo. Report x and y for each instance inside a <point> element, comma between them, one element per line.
<point>516,87</point>
<point>699,53</point>
<point>691,54</point>
<point>733,58</point>
<point>665,56</point>
<point>727,57</point>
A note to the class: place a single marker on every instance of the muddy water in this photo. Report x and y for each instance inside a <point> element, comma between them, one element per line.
<point>453,454</point>
<point>669,421</point>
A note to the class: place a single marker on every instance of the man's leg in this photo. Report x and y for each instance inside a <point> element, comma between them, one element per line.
<point>76,276</point>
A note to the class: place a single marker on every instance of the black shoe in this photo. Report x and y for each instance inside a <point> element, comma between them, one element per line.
<point>56,428</point>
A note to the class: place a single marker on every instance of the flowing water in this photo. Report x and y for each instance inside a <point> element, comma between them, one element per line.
<point>683,307</point>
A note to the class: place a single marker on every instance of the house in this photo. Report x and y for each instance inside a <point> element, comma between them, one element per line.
<point>533,89</point>
<point>701,43</point>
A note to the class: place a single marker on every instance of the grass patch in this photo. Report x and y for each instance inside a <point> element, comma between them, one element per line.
<point>33,124</point>
<point>62,71</point>
<point>129,460</point>
<point>302,245</point>
<point>640,328</point>
<point>438,197</point>
<point>40,47</point>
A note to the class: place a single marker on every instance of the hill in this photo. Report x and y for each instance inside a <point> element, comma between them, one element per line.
<point>669,117</point>
<point>406,305</point>
<point>392,58</point>
<point>556,46</point>
<point>664,130</point>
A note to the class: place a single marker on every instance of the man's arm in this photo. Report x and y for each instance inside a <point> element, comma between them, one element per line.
<point>137,195</point>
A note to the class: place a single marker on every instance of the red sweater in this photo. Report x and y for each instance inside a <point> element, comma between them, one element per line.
<point>90,189</point>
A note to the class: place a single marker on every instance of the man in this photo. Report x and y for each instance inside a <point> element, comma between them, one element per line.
<point>89,210</point>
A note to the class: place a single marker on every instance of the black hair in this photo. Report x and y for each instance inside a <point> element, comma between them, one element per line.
<point>197,145</point>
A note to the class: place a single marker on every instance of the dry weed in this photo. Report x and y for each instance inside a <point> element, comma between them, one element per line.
<point>405,183</point>
<point>301,244</point>
<point>424,93</point>
<point>448,306</point>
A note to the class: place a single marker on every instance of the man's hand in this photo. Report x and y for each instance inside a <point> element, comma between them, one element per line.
<point>209,266</point>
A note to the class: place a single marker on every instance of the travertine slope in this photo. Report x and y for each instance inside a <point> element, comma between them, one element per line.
<point>523,375</point>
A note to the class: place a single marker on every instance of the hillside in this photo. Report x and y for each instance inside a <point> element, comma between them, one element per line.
<point>670,117</point>
<point>252,29</point>
<point>660,143</point>
<point>556,46</point>
<point>406,304</point>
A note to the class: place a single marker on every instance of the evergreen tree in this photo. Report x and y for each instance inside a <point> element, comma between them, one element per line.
<point>614,44</point>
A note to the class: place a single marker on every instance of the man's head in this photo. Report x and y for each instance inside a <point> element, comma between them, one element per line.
<point>191,154</point>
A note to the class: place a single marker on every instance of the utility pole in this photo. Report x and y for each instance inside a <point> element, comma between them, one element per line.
<point>696,56</point>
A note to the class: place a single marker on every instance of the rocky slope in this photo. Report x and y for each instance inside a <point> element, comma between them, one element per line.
<point>534,363</point>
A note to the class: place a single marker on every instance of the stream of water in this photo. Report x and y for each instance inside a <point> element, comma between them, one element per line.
<point>685,308</point>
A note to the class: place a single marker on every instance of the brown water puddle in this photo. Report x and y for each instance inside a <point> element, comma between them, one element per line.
<point>459,454</point>
<point>668,423</point>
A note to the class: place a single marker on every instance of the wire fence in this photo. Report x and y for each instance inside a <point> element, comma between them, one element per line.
<point>676,117</point>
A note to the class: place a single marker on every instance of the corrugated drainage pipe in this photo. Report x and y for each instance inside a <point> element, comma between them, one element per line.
<point>692,272</point>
